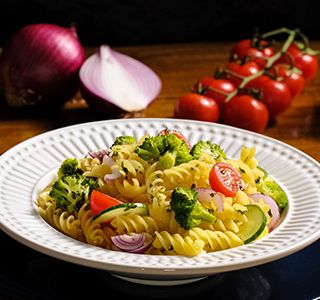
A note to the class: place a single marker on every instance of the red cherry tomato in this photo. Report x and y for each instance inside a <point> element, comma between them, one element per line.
<point>225,179</point>
<point>257,51</point>
<point>286,74</point>
<point>247,113</point>
<point>276,96</point>
<point>100,201</point>
<point>237,72</point>
<point>217,89</point>
<point>196,107</point>
<point>308,64</point>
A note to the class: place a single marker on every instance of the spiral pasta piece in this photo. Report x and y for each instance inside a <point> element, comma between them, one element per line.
<point>93,233</point>
<point>194,172</point>
<point>176,244</point>
<point>215,240</point>
<point>134,223</point>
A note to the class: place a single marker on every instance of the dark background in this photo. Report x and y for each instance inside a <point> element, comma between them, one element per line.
<point>127,22</point>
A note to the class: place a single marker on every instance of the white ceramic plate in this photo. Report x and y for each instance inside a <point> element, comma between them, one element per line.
<point>28,167</point>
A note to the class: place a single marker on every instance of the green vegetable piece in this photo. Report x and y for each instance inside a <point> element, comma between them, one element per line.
<point>188,210</point>
<point>207,147</point>
<point>72,191</point>
<point>271,188</point>
<point>69,166</point>
<point>168,149</point>
<point>124,140</point>
<point>255,225</point>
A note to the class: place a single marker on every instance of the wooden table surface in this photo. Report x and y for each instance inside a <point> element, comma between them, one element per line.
<point>179,67</point>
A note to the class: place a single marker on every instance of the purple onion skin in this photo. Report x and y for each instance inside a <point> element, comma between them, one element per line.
<point>40,64</point>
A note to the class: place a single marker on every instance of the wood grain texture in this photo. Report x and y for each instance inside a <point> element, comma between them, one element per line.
<point>179,67</point>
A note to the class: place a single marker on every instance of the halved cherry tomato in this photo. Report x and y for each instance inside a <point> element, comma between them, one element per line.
<point>196,107</point>
<point>217,89</point>
<point>100,201</point>
<point>246,112</point>
<point>225,179</point>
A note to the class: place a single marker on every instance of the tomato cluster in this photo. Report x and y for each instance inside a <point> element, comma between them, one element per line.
<point>257,84</point>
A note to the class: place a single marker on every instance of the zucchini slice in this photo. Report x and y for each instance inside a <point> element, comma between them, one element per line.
<point>121,209</point>
<point>257,222</point>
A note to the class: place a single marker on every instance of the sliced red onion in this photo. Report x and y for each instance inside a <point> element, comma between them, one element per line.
<point>109,161</point>
<point>211,195</point>
<point>117,82</point>
<point>40,64</point>
<point>133,243</point>
<point>98,154</point>
<point>275,218</point>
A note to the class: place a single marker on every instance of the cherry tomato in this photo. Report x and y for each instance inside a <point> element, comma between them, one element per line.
<point>276,96</point>
<point>247,112</point>
<point>225,179</point>
<point>308,64</point>
<point>100,201</point>
<point>288,75</point>
<point>217,89</point>
<point>257,51</point>
<point>178,134</point>
<point>196,107</point>
<point>237,72</point>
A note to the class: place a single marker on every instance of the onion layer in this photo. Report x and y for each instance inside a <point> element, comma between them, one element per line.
<point>275,218</point>
<point>133,243</point>
<point>40,64</point>
<point>211,195</point>
<point>116,83</point>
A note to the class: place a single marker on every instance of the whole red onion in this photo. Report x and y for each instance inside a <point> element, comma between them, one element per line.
<point>39,65</point>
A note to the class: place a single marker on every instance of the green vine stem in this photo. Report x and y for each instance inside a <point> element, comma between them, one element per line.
<point>270,61</point>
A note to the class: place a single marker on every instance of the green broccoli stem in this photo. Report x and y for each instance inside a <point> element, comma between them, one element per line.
<point>167,160</point>
<point>200,213</point>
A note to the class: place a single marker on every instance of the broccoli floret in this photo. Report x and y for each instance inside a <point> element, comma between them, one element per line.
<point>168,149</point>
<point>124,140</point>
<point>271,188</point>
<point>71,191</point>
<point>188,210</point>
<point>208,147</point>
<point>69,166</point>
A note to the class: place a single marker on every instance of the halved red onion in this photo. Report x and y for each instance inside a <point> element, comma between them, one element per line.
<point>120,83</point>
<point>275,218</point>
<point>133,243</point>
<point>211,195</point>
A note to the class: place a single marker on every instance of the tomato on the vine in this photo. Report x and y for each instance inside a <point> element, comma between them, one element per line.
<point>225,179</point>
<point>236,72</point>
<point>217,89</point>
<point>287,74</point>
<point>196,107</point>
<point>246,112</point>
<point>307,63</point>
<point>276,96</point>
<point>256,50</point>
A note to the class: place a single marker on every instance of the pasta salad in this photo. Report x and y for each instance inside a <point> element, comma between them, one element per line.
<point>161,195</point>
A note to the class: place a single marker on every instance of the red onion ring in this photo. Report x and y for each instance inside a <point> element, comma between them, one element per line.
<point>210,195</point>
<point>135,243</point>
<point>98,154</point>
<point>275,218</point>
